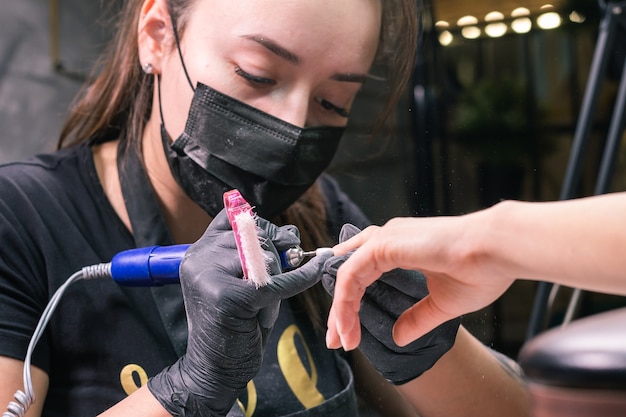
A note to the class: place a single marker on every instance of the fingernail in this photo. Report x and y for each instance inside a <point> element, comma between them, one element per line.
<point>344,345</point>
<point>330,341</point>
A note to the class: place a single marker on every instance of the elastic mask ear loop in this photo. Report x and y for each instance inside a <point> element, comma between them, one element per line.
<point>180,54</point>
<point>158,77</point>
<point>164,134</point>
<point>182,61</point>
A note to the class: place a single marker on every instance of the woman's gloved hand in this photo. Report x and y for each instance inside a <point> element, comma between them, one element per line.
<point>229,319</point>
<point>384,301</point>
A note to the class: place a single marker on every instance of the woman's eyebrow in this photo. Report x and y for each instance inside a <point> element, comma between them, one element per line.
<point>294,59</point>
<point>275,48</point>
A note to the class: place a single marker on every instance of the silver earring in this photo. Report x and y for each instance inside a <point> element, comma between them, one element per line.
<point>147,68</point>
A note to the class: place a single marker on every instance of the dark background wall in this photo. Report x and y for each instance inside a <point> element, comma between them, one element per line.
<point>34,92</point>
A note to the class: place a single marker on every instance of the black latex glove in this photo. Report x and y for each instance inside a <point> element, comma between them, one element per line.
<point>384,301</point>
<point>229,319</point>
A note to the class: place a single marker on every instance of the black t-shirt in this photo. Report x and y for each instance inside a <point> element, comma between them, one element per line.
<point>105,340</point>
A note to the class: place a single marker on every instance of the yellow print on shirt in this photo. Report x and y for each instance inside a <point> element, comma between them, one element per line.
<point>133,377</point>
<point>249,410</point>
<point>301,381</point>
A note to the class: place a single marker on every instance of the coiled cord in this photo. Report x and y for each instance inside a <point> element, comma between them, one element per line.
<point>21,404</point>
<point>24,399</point>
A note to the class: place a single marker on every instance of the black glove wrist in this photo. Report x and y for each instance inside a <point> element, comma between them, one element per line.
<point>384,301</point>
<point>166,388</point>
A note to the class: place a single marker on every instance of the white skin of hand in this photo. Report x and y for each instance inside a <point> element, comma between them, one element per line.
<point>470,260</point>
<point>456,282</point>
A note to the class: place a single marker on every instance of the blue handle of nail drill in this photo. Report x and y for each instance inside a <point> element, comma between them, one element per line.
<point>148,267</point>
<point>153,265</point>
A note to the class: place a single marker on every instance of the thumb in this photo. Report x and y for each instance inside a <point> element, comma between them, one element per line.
<point>418,320</point>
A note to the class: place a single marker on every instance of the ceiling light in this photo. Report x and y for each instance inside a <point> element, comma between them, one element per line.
<point>470,32</point>
<point>520,11</point>
<point>467,20</point>
<point>576,17</point>
<point>495,30</point>
<point>550,20</point>
<point>445,38</point>
<point>522,25</point>
<point>494,16</point>
<point>442,24</point>
<point>547,7</point>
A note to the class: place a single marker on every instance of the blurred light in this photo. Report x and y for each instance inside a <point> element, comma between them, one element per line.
<point>470,32</point>
<point>547,7</point>
<point>522,25</point>
<point>520,11</point>
<point>550,20</point>
<point>442,24</point>
<point>495,30</point>
<point>494,16</point>
<point>467,20</point>
<point>576,17</point>
<point>445,38</point>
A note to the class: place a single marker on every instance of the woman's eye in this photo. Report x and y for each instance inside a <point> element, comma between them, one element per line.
<point>330,106</point>
<point>253,78</point>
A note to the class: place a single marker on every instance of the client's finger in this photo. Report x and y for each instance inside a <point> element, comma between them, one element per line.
<point>332,336</point>
<point>351,283</point>
<point>344,331</point>
<point>418,320</point>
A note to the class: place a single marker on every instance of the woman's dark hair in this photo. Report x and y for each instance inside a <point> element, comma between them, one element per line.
<point>118,103</point>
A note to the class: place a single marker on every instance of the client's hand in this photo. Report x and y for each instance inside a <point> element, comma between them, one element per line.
<point>383,302</point>
<point>228,319</point>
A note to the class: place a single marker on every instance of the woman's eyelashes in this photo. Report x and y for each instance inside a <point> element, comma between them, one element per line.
<point>268,82</point>
<point>330,106</point>
<point>261,81</point>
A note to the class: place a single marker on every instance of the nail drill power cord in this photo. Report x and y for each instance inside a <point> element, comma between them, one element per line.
<point>24,399</point>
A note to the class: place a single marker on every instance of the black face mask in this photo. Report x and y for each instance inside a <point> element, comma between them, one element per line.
<point>228,144</point>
